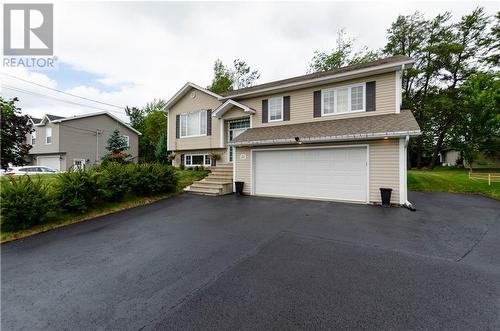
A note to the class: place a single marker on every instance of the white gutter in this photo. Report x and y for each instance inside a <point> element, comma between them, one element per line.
<point>367,136</point>
<point>323,79</point>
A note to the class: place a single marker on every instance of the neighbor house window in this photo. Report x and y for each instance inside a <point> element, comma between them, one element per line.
<point>197,160</point>
<point>343,99</point>
<point>33,138</point>
<point>275,109</point>
<point>194,124</point>
<point>48,135</point>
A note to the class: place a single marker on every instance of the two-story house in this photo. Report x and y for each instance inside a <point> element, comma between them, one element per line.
<point>334,135</point>
<point>63,142</point>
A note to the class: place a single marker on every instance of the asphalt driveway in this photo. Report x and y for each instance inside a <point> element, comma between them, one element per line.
<point>194,262</point>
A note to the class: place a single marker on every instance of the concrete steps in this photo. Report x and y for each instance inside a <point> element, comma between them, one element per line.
<point>218,182</point>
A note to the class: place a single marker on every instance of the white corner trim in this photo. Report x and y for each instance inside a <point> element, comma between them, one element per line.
<point>398,92</point>
<point>221,128</point>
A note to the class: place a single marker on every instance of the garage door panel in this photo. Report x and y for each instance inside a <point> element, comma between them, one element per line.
<point>332,173</point>
<point>53,162</point>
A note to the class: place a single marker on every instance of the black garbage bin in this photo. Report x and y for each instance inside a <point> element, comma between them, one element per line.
<point>239,187</point>
<point>386,196</point>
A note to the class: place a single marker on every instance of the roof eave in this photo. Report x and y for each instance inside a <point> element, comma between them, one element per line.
<point>182,91</point>
<point>327,79</point>
<point>322,139</point>
<point>222,109</point>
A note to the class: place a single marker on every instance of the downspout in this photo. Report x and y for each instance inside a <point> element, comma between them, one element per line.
<point>407,203</point>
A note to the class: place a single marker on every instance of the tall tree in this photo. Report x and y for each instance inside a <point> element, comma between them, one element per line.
<point>479,122</point>
<point>14,128</point>
<point>243,75</point>
<point>227,79</point>
<point>342,55</point>
<point>469,39</point>
<point>161,149</point>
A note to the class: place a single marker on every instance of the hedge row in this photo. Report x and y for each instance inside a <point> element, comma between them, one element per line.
<point>27,201</point>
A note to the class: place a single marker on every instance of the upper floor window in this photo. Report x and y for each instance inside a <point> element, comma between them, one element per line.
<point>275,109</point>
<point>193,124</point>
<point>343,99</point>
<point>33,138</point>
<point>48,135</point>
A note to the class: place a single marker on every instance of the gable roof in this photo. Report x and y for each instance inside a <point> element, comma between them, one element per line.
<point>357,128</point>
<point>64,119</point>
<point>322,77</point>
<point>35,120</point>
<point>183,92</point>
<point>230,104</point>
<point>53,117</point>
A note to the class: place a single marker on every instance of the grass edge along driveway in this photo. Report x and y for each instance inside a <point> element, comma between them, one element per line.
<point>185,178</point>
<point>444,179</point>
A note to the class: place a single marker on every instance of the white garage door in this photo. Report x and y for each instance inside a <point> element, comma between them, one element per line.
<point>49,161</point>
<point>325,173</point>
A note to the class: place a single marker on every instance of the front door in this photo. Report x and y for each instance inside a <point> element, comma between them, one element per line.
<point>235,128</point>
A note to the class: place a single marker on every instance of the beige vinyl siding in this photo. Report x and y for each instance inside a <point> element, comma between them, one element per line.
<point>301,101</point>
<point>383,166</point>
<point>243,168</point>
<point>187,104</point>
<point>234,113</point>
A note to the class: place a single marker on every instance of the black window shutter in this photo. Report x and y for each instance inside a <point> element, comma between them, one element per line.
<point>209,122</point>
<point>317,104</point>
<point>286,108</point>
<point>264,111</point>
<point>370,96</point>
<point>177,126</point>
<point>182,156</point>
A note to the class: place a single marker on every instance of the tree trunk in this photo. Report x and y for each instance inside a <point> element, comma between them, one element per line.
<point>439,145</point>
<point>419,152</point>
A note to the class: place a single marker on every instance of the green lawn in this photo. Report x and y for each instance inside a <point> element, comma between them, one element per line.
<point>443,179</point>
<point>185,178</point>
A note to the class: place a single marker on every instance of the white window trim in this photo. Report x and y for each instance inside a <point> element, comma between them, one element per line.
<point>47,136</point>
<point>269,113</point>
<point>194,135</point>
<point>205,157</point>
<point>33,137</point>
<point>335,89</point>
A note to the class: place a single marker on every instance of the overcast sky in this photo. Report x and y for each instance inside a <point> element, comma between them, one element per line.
<point>128,53</point>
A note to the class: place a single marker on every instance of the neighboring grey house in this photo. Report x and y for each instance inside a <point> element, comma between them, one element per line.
<point>61,142</point>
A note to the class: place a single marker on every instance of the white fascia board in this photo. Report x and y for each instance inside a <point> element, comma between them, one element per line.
<point>311,140</point>
<point>222,109</point>
<point>324,80</point>
<point>183,91</point>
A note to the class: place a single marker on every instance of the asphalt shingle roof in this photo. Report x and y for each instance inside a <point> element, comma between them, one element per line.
<point>341,129</point>
<point>387,60</point>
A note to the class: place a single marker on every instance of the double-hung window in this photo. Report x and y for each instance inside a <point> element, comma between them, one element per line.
<point>193,124</point>
<point>48,135</point>
<point>33,138</point>
<point>343,99</point>
<point>275,109</point>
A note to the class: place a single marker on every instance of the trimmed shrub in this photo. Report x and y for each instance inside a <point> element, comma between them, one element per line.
<point>152,178</point>
<point>78,190</point>
<point>24,202</point>
<point>115,181</point>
